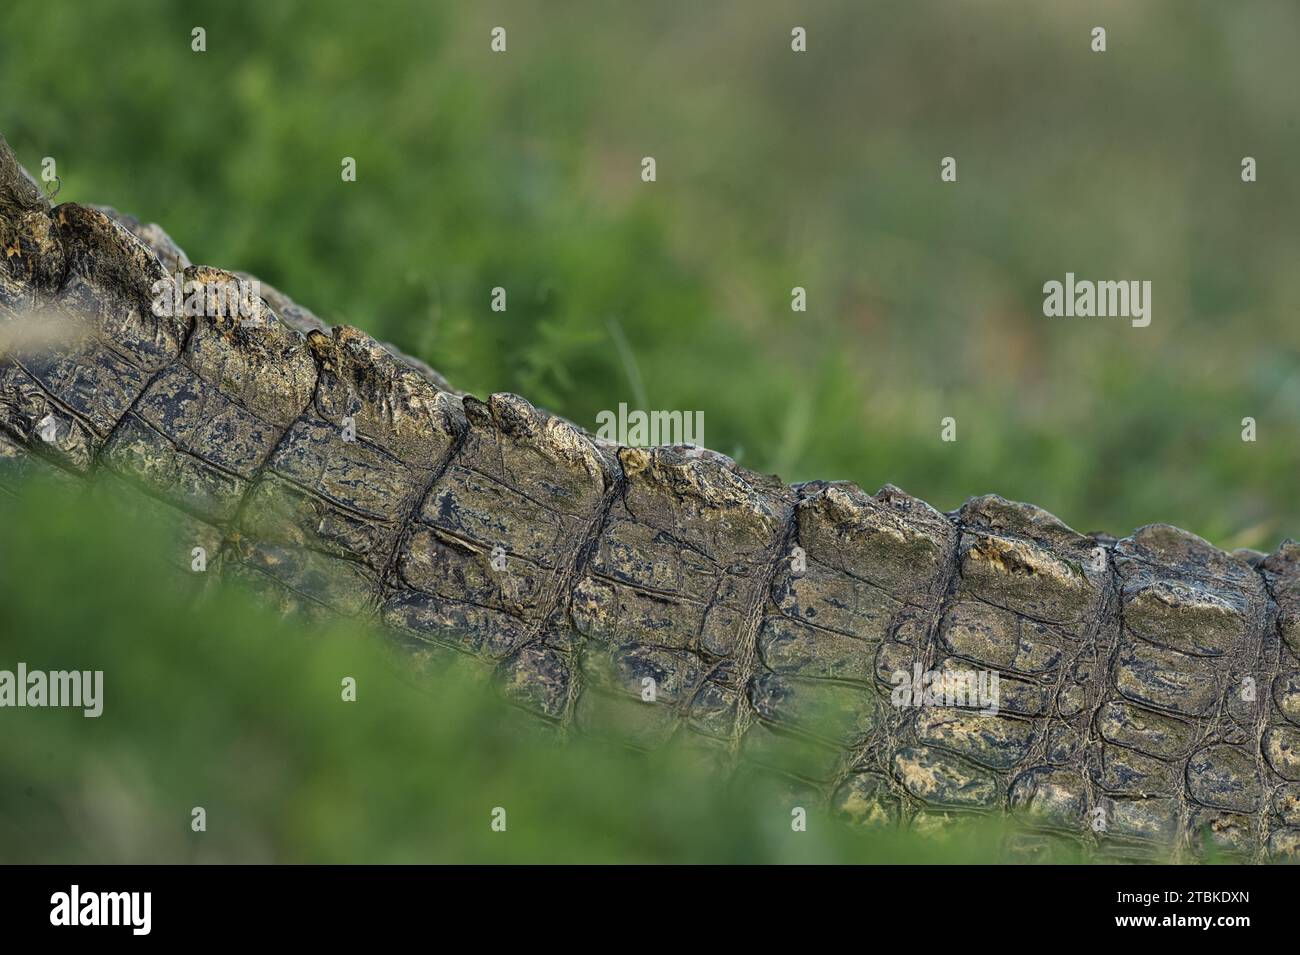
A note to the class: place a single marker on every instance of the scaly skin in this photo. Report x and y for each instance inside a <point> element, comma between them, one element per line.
<point>770,618</point>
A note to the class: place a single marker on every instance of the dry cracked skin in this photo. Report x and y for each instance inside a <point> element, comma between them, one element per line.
<point>1148,689</point>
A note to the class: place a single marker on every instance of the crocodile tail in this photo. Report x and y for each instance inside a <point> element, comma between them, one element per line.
<point>901,665</point>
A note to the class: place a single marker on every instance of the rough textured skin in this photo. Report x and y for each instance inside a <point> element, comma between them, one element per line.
<point>1149,688</point>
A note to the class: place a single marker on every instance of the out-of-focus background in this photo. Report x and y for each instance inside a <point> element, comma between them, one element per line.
<point>775,169</point>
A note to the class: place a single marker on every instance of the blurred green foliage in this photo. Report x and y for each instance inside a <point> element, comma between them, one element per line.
<point>775,169</point>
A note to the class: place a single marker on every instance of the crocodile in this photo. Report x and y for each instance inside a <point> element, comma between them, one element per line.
<point>1148,689</point>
